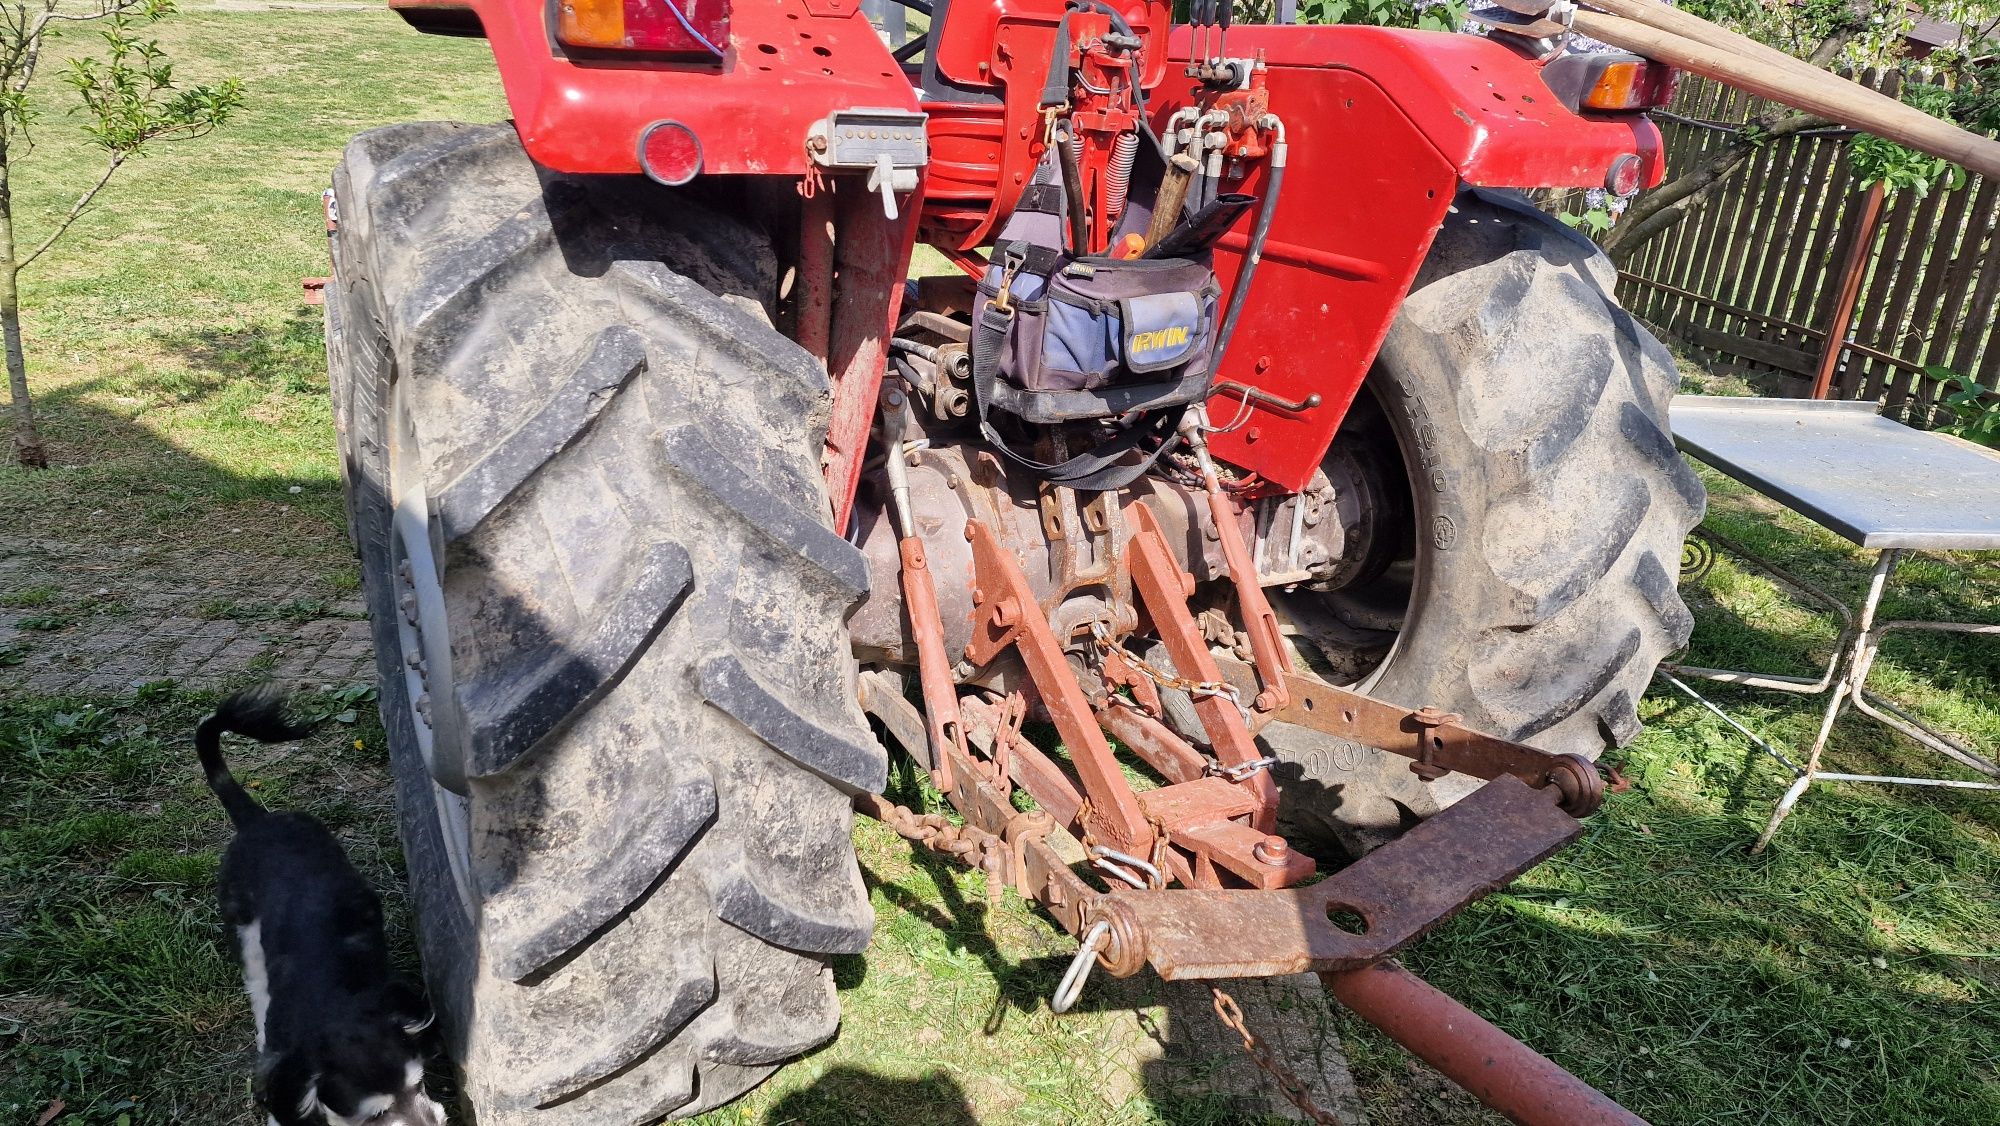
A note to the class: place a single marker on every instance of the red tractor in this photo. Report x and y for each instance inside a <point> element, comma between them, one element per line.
<point>1259,442</point>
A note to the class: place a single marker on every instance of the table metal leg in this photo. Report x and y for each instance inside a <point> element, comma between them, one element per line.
<point>1856,652</point>
<point>1846,676</point>
<point>1803,686</point>
<point>1891,716</point>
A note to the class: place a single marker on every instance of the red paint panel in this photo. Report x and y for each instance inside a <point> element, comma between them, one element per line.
<point>787,65</point>
<point>1383,126</point>
<point>1484,107</point>
<point>986,38</point>
<point>1363,195</point>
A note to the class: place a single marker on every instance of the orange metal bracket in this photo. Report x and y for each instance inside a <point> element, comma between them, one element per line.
<point>1165,588</point>
<point>1267,645</point>
<point>933,666</point>
<point>1005,613</point>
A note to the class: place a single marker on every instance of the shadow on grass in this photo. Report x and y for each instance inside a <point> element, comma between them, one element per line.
<point>1024,985</point>
<point>119,992</point>
<point>850,1096</point>
<point>293,349</point>
<point>159,448</point>
<point>1690,980</point>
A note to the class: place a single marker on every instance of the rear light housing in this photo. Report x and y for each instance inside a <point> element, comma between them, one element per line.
<point>669,27</point>
<point>1633,84</point>
<point>1611,82</point>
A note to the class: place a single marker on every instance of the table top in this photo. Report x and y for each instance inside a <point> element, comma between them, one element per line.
<point>1871,479</point>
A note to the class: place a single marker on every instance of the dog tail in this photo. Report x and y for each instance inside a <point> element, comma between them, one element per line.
<point>258,713</point>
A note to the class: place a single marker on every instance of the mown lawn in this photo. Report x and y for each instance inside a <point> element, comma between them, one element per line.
<point>1847,976</point>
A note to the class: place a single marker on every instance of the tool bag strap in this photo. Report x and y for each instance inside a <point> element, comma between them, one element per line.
<point>1097,471</point>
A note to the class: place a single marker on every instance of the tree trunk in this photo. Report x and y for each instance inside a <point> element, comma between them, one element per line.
<point>1688,194</point>
<point>1660,209</point>
<point>28,449</point>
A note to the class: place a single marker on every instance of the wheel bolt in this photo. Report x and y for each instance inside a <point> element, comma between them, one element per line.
<point>409,604</point>
<point>423,708</point>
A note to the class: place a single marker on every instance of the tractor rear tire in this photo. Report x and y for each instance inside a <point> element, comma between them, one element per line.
<point>1549,507</point>
<point>609,610</point>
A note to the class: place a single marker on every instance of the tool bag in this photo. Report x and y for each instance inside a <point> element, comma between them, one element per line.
<point>1059,337</point>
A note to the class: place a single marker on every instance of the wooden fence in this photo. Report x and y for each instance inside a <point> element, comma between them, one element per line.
<point>1751,281</point>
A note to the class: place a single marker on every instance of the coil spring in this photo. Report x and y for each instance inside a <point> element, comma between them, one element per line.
<point>1118,176</point>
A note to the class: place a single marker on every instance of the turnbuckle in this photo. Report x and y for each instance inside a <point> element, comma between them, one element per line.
<point>1241,770</point>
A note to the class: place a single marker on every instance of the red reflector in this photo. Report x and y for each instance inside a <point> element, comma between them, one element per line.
<point>670,152</point>
<point>1624,176</point>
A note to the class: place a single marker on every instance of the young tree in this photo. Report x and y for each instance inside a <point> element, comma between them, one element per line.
<point>128,101</point>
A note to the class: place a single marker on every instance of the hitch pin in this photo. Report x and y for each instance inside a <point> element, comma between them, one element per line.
<point>1115,863</point>
<point>1079,968</point>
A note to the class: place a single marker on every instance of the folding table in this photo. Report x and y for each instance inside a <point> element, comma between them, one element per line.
<point>1884,486</point>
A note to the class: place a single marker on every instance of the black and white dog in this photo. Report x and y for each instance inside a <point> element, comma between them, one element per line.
<point>336,1033</point>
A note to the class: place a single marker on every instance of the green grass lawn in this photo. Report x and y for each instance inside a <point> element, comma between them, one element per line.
<point>1849,975</point>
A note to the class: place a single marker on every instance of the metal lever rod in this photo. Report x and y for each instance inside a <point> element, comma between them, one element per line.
<point>1265,399</point>
<point>920,601</point>
<point>1497,1069</point>
<point>1267,645</point>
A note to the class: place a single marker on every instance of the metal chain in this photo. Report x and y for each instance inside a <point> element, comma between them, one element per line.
<point>1241,770</point>
<point>1294,1088</point>
<point>968,844</point>
<point>1108,644</point>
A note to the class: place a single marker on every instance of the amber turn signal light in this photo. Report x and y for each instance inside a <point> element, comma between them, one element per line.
<point>1631,85</point>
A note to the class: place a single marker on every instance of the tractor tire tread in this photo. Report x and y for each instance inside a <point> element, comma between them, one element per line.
<point>660,838</point>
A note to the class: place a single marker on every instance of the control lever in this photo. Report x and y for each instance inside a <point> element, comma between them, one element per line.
<point>1265,399</point>
<point>1267,644</point>
<point>888,179</point>
<point>1201,15</point>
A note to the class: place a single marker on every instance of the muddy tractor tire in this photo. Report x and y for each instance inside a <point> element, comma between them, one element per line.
<point>609,622</point>
<point>1546,508</point>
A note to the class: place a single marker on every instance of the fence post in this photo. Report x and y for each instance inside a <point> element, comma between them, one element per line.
<point>1850,291</point>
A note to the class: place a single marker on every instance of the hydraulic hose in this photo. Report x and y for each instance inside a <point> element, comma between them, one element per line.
<point>916,346</point>
<point>1255,253</point>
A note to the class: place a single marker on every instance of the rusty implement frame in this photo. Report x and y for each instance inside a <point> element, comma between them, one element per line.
<point>1243,907</point>
<point>1015,849</point>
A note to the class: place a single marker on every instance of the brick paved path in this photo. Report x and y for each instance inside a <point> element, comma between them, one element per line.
<point>77,618</point>
<point>1164,1040</point>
